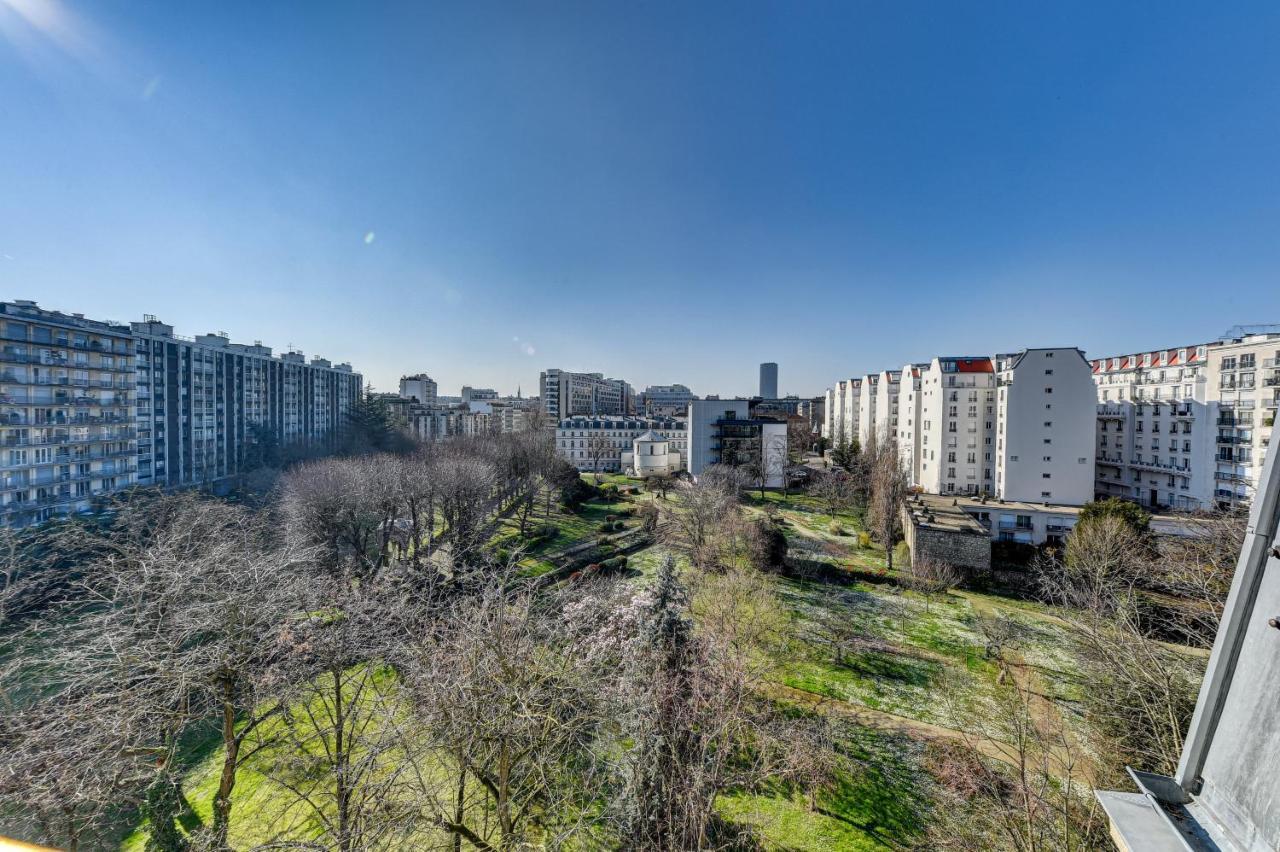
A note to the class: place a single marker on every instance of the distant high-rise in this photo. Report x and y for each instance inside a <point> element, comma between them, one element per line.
<point>769,381</point>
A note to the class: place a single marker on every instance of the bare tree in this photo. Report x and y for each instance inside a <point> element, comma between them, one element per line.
<point>836,490</point>
<point>599,449</point>
<point>930,576</point>
<point>696,524</point>
<point>888,485</point>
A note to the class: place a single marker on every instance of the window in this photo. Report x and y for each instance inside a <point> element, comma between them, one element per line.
<point>1046,476</point>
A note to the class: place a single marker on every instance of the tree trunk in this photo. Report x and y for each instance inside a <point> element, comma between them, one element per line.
<point>231,756</point>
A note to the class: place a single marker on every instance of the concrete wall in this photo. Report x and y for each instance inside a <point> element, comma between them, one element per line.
<point>966,550</point>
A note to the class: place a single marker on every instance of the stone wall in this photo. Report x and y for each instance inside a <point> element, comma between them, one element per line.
<point>962,548</point>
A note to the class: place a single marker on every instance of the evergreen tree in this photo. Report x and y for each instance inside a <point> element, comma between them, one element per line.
<point>162,808</point>
<point>373,427</point>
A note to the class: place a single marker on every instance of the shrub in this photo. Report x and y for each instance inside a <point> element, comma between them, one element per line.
<point>864,539</point>
<point>611,517</point>
<point>767,546</point>
<point>609,492</point>
<point>835,529</point>
<point>902,555</point>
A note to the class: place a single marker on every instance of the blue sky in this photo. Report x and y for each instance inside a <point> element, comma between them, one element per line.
<point>663,192</point>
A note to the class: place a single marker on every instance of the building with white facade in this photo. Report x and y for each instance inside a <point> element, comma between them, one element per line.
<point>666,400</point>
<point>651,455</point>
<point>888,386</point>
<point>66,412</point>
<point>723,432</point>
<point>420,387</point>
<point>957,426</point>
<point>1187,427</point>
<point>568,394</point>
<point>868,392</point>
<point>598,444</point>
<point>909,399</point>
<point>470,394</point>
<point>1045,426</point>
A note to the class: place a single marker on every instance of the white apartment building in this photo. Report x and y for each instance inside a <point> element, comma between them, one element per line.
<point>1045,425</point>
<point>909,399</point>
<point>1187,427</point>
<point>599,443</point>
<point>66,412</point>
<point>205,404</point>
<point>957,426</point>
<point>829,412</point>
<point>867,393</point>
<point>666,400</point>
<point>888,388</point>
<point>470,394</point>
<point>567,394</point>
<point>420,387</point>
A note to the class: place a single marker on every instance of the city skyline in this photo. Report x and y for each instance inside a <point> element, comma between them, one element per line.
<point>483,197</point>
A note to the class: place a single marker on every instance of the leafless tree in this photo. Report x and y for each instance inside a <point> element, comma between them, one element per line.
<point>696,524</point>
<point>599,449</point>
<point>837,491</point>
<point>887,485</point>
<point>930,576</point>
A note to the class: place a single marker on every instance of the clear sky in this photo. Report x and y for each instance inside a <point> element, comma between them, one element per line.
<point>661,192</point>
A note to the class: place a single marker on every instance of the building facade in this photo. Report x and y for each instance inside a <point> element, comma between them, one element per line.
<point>723,432</point>
<point>1045,426</point>
<point>909,419</point>
<point>665,400</point>
<point>66,408</point>
<point>957,426</point>
<point>566,394</point>
<point>768,381</point>
<point>1187,427</point>
<point>888,387</point>
<point>206,407</point>
<point>868,391</point>
<point>420,387</point>
<point>598,444</point>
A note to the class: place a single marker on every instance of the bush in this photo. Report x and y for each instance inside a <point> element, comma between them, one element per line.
<point>767,546</point>
<point>574,493</point>
<point>611,517</point>
<point>902,555</point>
<point>864,540</point>
<point>609,492</point>
<point>835,529</point>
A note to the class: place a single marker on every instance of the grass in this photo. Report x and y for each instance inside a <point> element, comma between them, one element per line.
<point>877,804</point>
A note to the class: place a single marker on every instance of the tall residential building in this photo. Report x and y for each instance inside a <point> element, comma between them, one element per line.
<point>66,408</point>
<point>666,400</point>
<point>888,386</point>
<point>420,387</point>
<point>568,394</point>
<point>866,419</point>
<point>1045,422</point>
<point>769,381</point>
<point>841,424</point>
<point>1187,427</point>
<point>204,403</point>
<point>957,426</point>
<point>909,399</point>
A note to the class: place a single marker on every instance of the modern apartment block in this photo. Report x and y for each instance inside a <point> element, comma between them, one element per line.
<point>1044,426</point>
<point>842,418</point>
<point>422,388</point>
<point>957,426</point>
<point>66,408</point>
<point>1187,427</point>
<point>599,443</point>
<point>203,404</point>
<point>868,392</point>
<point>567,394</point>
<point>666,400</point>
<point>723,432</point>
<point>909,399</point>
<point>888,386</point>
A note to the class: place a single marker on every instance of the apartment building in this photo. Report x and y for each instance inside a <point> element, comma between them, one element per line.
<point>888,388</point>
<point>66,412</point>
<point>421,387</point>
<point>600,443</point>
<point>909,418</point>
<point>1187,427</point>
<point>957,426</point>
<point>1044,427</point>
<point>723,432</point>
<point>567,394</point>
<point>868,392</point>
<point>666,400</point>
<point>204,404</point>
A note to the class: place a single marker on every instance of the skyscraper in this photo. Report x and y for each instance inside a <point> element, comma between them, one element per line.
<point>769,381</point>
